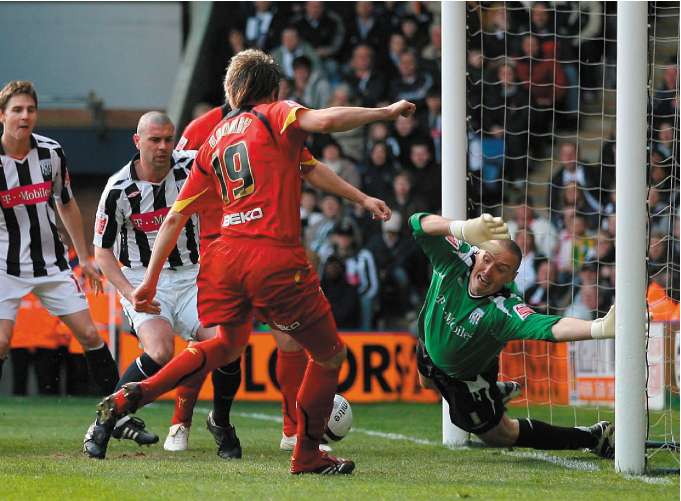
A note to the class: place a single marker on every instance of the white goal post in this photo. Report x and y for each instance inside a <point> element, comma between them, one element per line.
<point>455,147</point>
<point>630,236</point>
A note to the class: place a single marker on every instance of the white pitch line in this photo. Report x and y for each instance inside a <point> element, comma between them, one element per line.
<point>396,436</point>
<point>373,433</point>
<point>648,480</point>
<point>570,464</point>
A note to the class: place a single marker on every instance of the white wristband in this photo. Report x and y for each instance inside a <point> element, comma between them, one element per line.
<point>456,229</point>
<point>597,329</point>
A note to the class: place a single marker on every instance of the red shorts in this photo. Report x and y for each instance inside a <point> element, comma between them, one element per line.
<point>239,276</point>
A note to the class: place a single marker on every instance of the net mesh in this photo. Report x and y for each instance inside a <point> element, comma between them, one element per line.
<point>541,134</point>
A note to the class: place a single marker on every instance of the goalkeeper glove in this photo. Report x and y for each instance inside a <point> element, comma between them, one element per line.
<point>604,328</point>
<point>479,230</point>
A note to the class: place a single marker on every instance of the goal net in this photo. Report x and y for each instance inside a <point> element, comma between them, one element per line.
<point>541,134</point>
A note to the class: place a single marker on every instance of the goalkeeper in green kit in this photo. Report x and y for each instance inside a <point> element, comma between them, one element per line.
<point>470,313</point>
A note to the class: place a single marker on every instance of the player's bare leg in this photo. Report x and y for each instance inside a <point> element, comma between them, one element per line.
<point>315,398</point>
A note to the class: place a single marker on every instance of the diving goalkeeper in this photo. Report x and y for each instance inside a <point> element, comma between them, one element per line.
<point>470,313</point>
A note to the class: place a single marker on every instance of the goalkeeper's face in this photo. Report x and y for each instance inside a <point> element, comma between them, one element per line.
<point>494,267</point>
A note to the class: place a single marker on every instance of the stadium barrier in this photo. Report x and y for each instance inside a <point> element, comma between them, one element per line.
<point>381,367</point>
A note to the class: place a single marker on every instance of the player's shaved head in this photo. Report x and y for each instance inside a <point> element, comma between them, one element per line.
<point>495,265</point>
<point>153,118</point>
<point>499,246</point>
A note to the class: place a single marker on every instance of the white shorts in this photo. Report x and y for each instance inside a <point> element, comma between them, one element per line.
<point>60,293</point>
<point>176,292</point>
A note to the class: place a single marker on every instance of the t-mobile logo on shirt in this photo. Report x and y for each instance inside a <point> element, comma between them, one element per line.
<point>26,195</point>
<point>149,221</point>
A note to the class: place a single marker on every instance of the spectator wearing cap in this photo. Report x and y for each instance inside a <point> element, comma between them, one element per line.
<point>292,47</point>
<point>367,84</point>
<point>399,265</point>
<point>341,295</point>
<point>324,31</point>
<point>360,270</point>
<point>310,88</point>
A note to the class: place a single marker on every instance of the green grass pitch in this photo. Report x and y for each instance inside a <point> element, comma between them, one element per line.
<point>40,458</point>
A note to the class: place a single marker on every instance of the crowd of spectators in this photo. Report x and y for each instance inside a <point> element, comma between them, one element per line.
<point>532,68</point>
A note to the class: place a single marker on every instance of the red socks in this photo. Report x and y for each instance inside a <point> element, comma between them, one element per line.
<point>188,368</point>
<point>291,367</point>
<point>185,400</point>
<point>315,401</point>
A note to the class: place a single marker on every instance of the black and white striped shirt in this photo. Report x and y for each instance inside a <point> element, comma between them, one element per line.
<point>30,245</point>
<point>131,212</point>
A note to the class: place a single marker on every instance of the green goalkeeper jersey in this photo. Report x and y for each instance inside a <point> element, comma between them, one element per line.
<point>463,334</point>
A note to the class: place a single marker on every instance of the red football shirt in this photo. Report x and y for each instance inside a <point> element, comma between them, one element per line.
<point>194,135</point>
<point>253,160</point>
<point>198,130</point>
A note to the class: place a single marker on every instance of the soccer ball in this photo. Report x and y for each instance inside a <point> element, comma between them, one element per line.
<point>340,420</point>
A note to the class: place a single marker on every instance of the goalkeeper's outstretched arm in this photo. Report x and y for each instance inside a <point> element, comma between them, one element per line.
<point>574,329</point>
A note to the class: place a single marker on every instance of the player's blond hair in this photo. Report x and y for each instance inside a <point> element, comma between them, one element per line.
<point>14,88</point>
<point>252,76</point>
